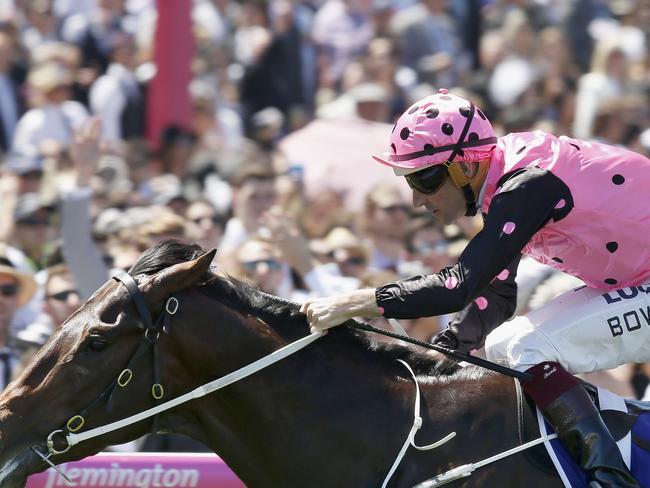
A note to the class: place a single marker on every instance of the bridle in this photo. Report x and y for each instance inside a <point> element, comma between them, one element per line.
<point>151,334</point>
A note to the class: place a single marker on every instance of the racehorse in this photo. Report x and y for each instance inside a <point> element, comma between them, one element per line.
<point>333,414</point>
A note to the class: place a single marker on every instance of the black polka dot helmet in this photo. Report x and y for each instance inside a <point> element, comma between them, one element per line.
<point>436,130</point>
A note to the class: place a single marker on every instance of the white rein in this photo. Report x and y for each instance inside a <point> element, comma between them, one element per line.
<point>75,438</point>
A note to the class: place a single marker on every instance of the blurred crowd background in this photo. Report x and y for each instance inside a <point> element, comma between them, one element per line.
<point>248,125</point>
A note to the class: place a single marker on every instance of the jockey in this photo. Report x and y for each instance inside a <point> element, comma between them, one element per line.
<point>577,206</point>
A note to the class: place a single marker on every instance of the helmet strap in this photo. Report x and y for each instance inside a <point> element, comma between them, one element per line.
<point>455,171</point>
<point>462,181</point>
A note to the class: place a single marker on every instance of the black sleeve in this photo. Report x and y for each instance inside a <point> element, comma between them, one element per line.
<point>525,203</point>
<point>472,325</point>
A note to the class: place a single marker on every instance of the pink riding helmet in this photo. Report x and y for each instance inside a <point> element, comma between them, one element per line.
<point>437,129</point>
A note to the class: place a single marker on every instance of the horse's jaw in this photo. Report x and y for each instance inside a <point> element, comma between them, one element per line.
<point>14,471</point>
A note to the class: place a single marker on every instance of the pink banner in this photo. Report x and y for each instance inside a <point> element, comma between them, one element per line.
<point>142,470</point>
<point>168,93</point>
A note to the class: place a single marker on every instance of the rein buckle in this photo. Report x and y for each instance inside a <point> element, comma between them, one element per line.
<point>50,443</point>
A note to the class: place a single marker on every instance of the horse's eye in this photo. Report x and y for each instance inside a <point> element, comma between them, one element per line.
<point>97,344</point>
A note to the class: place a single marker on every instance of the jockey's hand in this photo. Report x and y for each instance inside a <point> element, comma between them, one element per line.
<point>325,313</point>
<point>448,339</point>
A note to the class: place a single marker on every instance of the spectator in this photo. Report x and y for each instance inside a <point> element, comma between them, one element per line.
<point>384,220</point>
<point>427,245</point>
<point>11,100</point>
<point>607,79</point>
<point>55,116</point>
<point>61,294</point>
<point>93,31</point>
<point>28,170</point>
<point>255,193</point>
<point>323,212</point>
<point>117,97</point>
<point>342,247</point>
<point>60,301</point>
<point>430,42</point>
<point>16,289</point>
<point>34,228</point>
<point>42,25</point>
<point>342,31</point>
<point>210,223</point>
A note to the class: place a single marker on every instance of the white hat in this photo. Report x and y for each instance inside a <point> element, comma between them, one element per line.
<point>26,283</point>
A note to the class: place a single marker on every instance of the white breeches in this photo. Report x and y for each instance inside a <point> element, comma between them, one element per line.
<point>584,330</point>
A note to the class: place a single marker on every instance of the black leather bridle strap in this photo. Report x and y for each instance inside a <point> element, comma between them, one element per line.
<point>137,296</point>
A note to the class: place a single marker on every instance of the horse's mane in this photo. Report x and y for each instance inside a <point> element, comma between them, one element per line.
<point>284,316</point>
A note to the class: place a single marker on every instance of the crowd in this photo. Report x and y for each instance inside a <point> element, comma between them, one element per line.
<point>84,190</point>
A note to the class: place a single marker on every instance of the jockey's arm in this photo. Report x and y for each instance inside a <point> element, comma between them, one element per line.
<point>470,327</point>
<point>524,204</point>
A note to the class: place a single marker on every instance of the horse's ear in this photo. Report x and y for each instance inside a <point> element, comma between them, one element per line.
<point>177,277</point>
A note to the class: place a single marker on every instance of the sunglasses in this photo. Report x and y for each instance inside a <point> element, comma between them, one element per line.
<point>272,264</point>
<point>8,290</point>
<point>354,261</point>
<point>439,247</point>
<point>396,208</point>
<point>34,222</point>
<point>429,180</point>
<point>62,296</point>
<point>215,219</point>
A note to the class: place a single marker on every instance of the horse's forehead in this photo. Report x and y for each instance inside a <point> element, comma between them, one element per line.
<point>102,307</point>
<point>112,295</point>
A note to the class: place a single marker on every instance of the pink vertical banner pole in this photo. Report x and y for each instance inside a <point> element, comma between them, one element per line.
<point>173,50</point>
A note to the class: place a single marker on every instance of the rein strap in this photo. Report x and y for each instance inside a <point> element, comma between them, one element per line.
<point>483,363</point>
<point>417,423</point>
<point>198,392</point>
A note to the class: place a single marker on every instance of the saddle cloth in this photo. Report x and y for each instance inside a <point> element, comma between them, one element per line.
<point>629,423</point>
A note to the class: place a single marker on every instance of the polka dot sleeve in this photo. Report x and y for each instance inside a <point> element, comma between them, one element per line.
<point>525,202</point>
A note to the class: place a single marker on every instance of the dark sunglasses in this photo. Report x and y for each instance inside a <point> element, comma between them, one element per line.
<point>396,208</point>
<point>439,247</point>
<point>62,296</point>
<point>272,264</point>
<point>215,219</point>
<point>354,261</point>
<point>429,180</point>
<point>34,222</point>
<point>8,290</point>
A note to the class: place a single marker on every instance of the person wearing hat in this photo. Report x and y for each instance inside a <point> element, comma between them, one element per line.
<point>16,289</point>
<point>55,116</point>
<point>28,169</point>
<point>345,249</point>
<point>577,206</point>
<point>384,221</point>
<point>33,229</point>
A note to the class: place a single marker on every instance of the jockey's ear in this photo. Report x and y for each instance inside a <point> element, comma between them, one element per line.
<point>177,277</point>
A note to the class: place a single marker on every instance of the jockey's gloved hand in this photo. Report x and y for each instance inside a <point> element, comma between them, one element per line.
<point>462,339</point>
<point>446,338</point>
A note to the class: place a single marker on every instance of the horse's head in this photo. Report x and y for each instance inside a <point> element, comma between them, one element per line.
<point>97,368</point>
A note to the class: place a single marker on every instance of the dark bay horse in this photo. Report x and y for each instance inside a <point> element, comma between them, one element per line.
<point>335,414</point>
